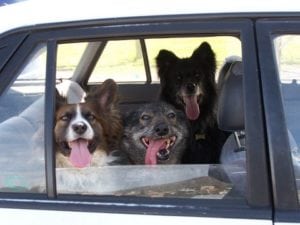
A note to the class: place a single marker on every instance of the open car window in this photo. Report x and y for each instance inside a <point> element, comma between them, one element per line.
<point>124,62</point>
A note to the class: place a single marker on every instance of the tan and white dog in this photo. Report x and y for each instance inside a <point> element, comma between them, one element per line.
<point>85,133</point>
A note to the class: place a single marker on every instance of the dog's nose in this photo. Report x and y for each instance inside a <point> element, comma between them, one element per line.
<point>161,129</point>
<point>79,128</point>
<point>191,88</point>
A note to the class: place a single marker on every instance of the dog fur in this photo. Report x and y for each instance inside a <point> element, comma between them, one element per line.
<point>155,133</point>
<point>93,128</point>
<point>189,85</point>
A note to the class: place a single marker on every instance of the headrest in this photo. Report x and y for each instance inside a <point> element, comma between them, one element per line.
<point>230,104</point>
<point>72,91</point>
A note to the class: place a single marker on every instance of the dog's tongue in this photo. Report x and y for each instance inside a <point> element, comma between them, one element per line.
<point>153,147</point>
<point>192,109</point>
<point>80,156</point>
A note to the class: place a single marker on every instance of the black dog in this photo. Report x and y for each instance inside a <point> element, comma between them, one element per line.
<point>189,84</point>
<point>155,133</point>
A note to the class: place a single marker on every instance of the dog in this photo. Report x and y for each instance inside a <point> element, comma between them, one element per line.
<point>85,133</point>
<point>189,85</point>
<point>155,133</point>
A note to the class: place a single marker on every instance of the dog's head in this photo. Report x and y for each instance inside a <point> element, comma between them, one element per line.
<point>186,82</point>
<point>155,134</point>
<point>81,129</point>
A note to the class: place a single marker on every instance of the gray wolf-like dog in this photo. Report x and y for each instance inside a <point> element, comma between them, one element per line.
<point>155,133</point>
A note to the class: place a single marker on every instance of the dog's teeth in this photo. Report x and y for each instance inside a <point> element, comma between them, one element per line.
<point>168,143</point>
<point>172,140</point>
<point>146,141</point>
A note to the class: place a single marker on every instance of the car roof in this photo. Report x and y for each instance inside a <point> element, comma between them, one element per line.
<point>34,12</point>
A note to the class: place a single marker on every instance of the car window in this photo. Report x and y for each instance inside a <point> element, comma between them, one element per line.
<point>288,64</point>
<point>21,128</point>
<point>122,61</point>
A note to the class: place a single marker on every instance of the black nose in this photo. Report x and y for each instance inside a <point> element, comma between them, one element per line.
<point>190,88</point>
<point>161,129</point>
<point>79,128</point>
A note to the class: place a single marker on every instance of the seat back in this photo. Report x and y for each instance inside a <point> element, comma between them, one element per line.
<point>230,117</point>
<point>230,105</point>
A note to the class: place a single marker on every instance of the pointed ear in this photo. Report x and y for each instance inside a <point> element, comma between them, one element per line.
<point>59,100</point>
<point>164,59</point>
<point>106,95</point>
<point>205,55</point>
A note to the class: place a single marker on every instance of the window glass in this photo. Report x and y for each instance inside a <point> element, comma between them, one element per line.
<point>120,60</point>
<point>288,63</point>
<point>223,46</point>
<point>21,128</point>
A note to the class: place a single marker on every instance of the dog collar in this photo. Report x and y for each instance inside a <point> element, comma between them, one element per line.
<point>199,136</point>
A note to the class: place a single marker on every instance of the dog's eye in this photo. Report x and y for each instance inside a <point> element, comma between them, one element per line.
<point>171,115</point>
<point>145,117</point>
<point>90,117</point>
<point>197,76</point>
<point>65,118</point>
<point>179,77</point>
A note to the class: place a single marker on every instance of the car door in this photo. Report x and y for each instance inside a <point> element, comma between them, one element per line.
<point>39,197</point>
<point>277,43</point>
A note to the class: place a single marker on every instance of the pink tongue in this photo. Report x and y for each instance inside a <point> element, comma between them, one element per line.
<point>153,147</point>
<point>80,155</point>
<point>192,109</point>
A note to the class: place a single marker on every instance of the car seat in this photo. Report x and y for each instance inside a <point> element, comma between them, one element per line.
<point>230,118</point>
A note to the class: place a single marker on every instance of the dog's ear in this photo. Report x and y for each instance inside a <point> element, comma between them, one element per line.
<point>106,95</point>
<point>164,59</point>
<point>206,57</point>
<point>59,100</point>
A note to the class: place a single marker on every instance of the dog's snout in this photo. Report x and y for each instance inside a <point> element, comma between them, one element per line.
<point>191,88</point>
<point>161,129</point>
<point>79,128</point>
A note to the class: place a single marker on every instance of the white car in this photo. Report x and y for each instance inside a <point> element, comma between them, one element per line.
<point>48,44</point>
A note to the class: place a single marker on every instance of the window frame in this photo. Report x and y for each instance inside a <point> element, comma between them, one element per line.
<point>283,179</point>
<point>258,196</point>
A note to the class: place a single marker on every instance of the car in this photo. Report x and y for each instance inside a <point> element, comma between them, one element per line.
<point>49,45</point>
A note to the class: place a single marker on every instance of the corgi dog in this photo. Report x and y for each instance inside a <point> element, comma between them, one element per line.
<point>85,133</point>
